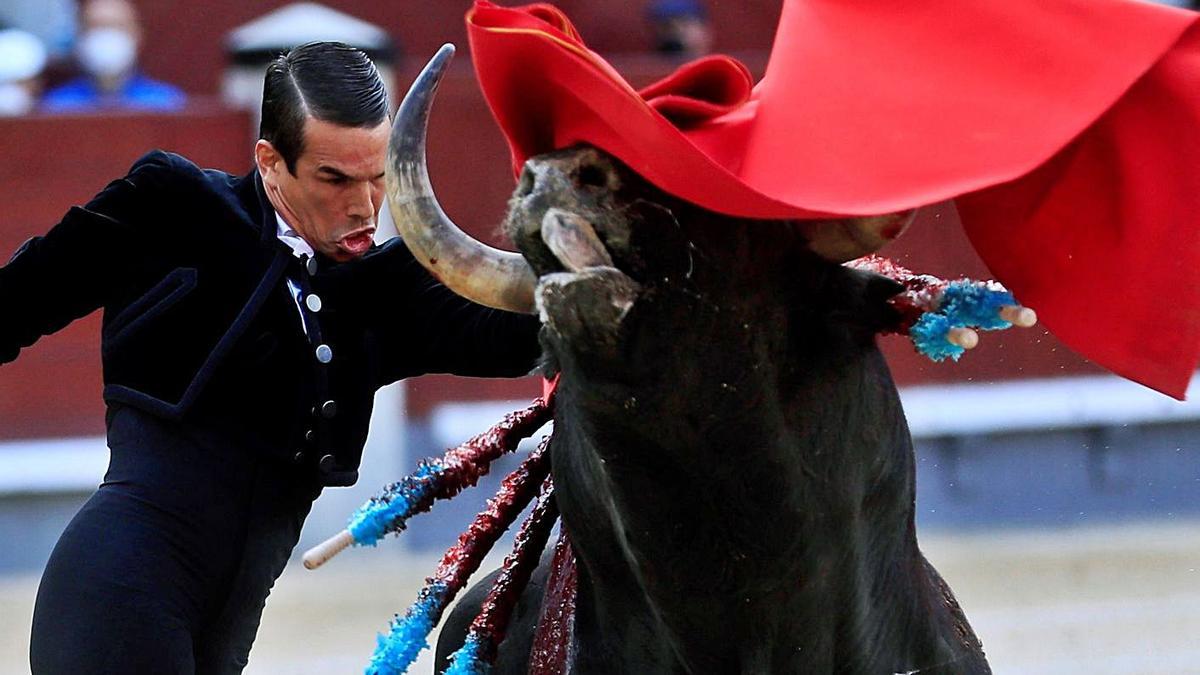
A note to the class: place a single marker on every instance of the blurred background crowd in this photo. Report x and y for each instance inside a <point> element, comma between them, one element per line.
<point>69,56</point>
<point>1059,502</point>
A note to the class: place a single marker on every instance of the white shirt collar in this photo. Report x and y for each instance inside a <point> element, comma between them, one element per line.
<point>287,235</point>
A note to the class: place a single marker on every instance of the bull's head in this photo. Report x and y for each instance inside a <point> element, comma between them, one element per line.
<point>595,238</point>
<point>728,438</point>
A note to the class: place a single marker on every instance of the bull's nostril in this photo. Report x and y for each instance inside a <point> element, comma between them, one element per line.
<point>591,176</point>
<point>525,185</point>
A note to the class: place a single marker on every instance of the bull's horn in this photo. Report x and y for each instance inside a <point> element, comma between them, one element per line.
<point>470,268</point>
<point>850,238</point>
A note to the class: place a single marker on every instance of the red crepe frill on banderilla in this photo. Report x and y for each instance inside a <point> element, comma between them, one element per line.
<point>1067,131</point>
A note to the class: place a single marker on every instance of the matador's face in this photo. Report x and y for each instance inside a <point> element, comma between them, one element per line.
<point>333,198</point>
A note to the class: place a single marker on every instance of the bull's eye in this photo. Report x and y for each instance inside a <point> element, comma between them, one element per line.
<point>591,176</point>
<point>525,186</point>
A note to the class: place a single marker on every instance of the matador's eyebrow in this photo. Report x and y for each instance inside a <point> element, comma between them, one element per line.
<point>335,173</point>
<point>328,170</point>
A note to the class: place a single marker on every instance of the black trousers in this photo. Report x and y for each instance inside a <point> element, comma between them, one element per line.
<point>167,568</point>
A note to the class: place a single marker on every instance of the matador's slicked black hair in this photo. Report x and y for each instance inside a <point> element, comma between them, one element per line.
<point>329,81</point>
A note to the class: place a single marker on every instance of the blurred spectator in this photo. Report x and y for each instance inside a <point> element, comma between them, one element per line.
<point>107,50</point>
<point>680,28</point>
<point>22,57</point>
<point>51,21</point>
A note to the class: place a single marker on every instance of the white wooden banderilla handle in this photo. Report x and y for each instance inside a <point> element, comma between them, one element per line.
<point>321,553</point>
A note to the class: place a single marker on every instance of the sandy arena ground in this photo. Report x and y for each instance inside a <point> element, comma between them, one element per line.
<point>1114,600</point>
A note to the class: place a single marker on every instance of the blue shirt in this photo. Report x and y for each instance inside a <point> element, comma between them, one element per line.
<point>138,93</point>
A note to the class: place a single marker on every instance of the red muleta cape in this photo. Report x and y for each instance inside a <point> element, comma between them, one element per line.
<point>1067,132</point>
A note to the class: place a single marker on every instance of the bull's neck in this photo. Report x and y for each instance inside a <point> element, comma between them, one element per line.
<point>738,545</point>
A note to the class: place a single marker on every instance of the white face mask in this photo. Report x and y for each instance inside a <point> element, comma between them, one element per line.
<point>107,52</point>
<point>14,100</point>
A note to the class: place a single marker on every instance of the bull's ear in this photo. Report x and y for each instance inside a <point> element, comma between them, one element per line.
<point>872,292</point>
<point>880,288</point>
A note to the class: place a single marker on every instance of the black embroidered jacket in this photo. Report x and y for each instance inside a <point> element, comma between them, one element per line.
<point>199,326</point>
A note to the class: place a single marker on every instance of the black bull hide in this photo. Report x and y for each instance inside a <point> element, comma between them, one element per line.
<point>730,456</point>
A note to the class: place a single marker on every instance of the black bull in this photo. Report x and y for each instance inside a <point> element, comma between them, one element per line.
<point>730,457</point>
